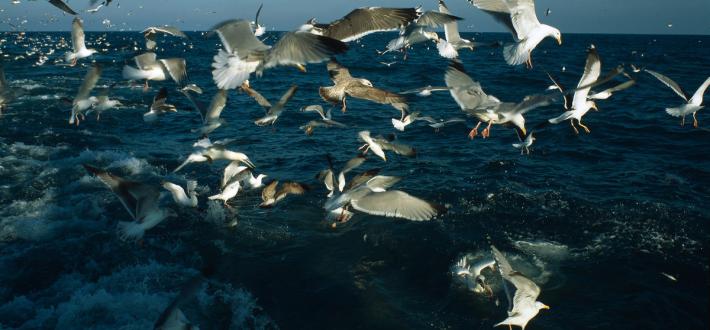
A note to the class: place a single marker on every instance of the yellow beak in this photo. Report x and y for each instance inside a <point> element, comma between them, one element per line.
<point>545,307</point>
<point>559,40</point>
<point>525,132</point>
<point>595,107</point>
<point>301,68</point>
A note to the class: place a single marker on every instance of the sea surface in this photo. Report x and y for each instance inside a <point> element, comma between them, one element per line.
<point>596,220</point>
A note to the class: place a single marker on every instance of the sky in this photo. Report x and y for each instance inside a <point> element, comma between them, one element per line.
<point>570,16</point>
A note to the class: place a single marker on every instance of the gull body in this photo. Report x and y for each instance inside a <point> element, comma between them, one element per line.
<point>692,105</point>
<point>83,101</point>
<point>181,198</point>
<point>79,49</point>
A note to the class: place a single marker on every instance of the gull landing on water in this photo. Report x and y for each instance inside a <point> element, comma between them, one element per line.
<point>181,198</point>
<point>520,18</point>
<point>472,274</point>
<point>692,105</point>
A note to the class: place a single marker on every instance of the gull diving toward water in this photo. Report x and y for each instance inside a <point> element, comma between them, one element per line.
<point>520,18</point>
<point>272,112</point>
<point>139,199</point>
<point>149,67</point>
<point>521,292</point>
<point>270,195</point>
<point>243,53</point>
<point>487,108</point>
<point>151,32</point>
<point>159,106</point>
<point>692,105</point>
<point>379,144</point>
<point>207,151</point>
<point>79,49</point>
<point>472,274</point>
<point>181,198</point>
<point>83,101</point>
<point>363,21</point>
<point>372,197</point>
<point>325,121</point>
<point>347,85</point>
<point>580,105</point>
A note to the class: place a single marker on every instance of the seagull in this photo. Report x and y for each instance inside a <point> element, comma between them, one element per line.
<point>347,85</point>
<point>181,198</point>
<point>580,104</point>
<point>522,296</point>
<point>211,114</point>
<point>332,182</point>
<point>172,317</point>
<point>209,152</point>
<point>159,107</point>
<point>83,101</point>
<point>259,29</point>
<point>61,5</point>
<point>472,274</point>
<point>139,199</point>
<point>372,197</point>
<point>449,48</point>
<point>272,112</point>
<point>228,192</point>
<point>363,21</point>
<point>520,18</point>
<point>487,108</point>
<point>325,121</point>
<point>150,33</point>
<point>104,103</point>
<point>409,118</point>
<point>525,144</point>
<point>79,49</point>
<point>607,93</point>
<point>236,172</point>
<point>692,105</point>
<point>148,67</point>
<point>418,31</point>
<point>437,125</point>
<point>270,195</point>
<point>426,90</point>
<point>94,10</point>
<point>243,53</point>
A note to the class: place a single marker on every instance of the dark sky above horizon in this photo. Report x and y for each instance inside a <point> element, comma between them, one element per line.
<point>571,16</point>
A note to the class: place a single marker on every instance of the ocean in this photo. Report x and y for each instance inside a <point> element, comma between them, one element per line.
<point>613,225</point>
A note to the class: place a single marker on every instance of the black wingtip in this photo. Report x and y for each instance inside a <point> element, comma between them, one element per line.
<point>457,65</point>
<point>334,46</point>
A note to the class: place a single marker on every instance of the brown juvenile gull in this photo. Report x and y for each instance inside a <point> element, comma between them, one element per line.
<point>272,111</point>
<point>363,21</point>
<point>270,195</point>
<point>347,85</point>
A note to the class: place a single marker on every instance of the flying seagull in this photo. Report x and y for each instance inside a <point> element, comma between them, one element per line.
<point>580,104</point>
<point>363,21</point>
<point>149,67</point>
<point>210,115</point>
<point>521,292</point>
<point>79,49</point>
<point>259,29</point>
<point>472,274</point>
<point>159,106</point>
<point>270,195</point>
<point>325,121</point>
<point>151,32</point>
<point>83,101</point>
<point>378,145</point>
<point>525,144</point>
<point>372,197</point>
<point>410,118</point>
<point>63,6</point>
<point>207,151</point>
<point>179,195</point>
<point>449,48</point>
<point>520,18</point>
<point>347,85</point>
<point>692,105</point>
<point>426,90</point>
<point>104,103</point>
<point>139,199</point>
<point>419,30</point>
<point>243,53</point>
<point>487,108</point>
<point>272,112</point>
<point>607,93</point>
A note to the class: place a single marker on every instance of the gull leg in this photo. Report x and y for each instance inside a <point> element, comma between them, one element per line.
<point>527,150</point>
<point>571,122</point>
<point>586,129</point>
<point>145,86</point>
<point>98,116</point>
<point>695,120</point>
<point>345,105</point>
<point>682,122</point>
<point>487,131</point>
<point>472,134</point>
<point>73,62</point>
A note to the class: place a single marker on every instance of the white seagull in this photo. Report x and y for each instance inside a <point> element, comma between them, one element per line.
<point>520,18</point>
<point>181,198</point>
<point>580,103</point>
<point>209,152</point>
<point>148,67</point>
<point>79,49</point>
<point>83,101</point>
<point>159,106</point>
<point>692,105</point>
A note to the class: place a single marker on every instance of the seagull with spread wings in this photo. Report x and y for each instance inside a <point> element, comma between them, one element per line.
<point>363,21</point>
<point>692,105</point>
<point>149,67</point>
<point>152,31</point>
<point>79,49</point>
<point>83,100</point>
<point>580,104</point>
<point>243,53</point>
<point>520,18</point>
<point>272,111</point>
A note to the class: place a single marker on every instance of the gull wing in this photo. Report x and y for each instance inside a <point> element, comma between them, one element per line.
<point>219,100</point>
<point>77,34</point>
<point>592,70</point>
<point>397,204</point>
<point>118,186</point>
<point>466,92</point>
<point>451,29</point>
<point>146,60</point>
<point>63,6</point>
<point>257,97</point>
<point>237,36</point>
<point>398,148</point>
<point>337,71</point>
<point>176,67</point>
<point>290,187</point>
<point>316,108</point>
<point>361,179</point>
<point>269,191</point>
<point>301,48</point>
<point>500,12</point>
<point>363,21</point>
<point>171,30</point>
<point>670,83</point>
<point>90,80</point>
<point>522,13</point>
<point>531,102</point>
<point>698,96</point>
<point>562,91</point>
<point>258,11</point>
<point>436,19</point>
<point>361,91</point>
<point>278,108</point>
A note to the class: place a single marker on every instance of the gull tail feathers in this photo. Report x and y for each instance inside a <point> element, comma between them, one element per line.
<point>516,54</point>
<point>229,71</point>
<point>131,231</point>
<point>675,112</point>
<point>398,124</point>
<point>564,116</point>
<point>69,56</point>
<point>132,73</point>
<point>447,50</point>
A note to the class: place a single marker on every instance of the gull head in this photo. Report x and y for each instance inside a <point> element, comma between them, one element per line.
<point>558,35</point>
<point>366,82</point>
<point>540,306</point>
<point>593,105</point>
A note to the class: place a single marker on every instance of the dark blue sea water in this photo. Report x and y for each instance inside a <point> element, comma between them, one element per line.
<point>593,219</point>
